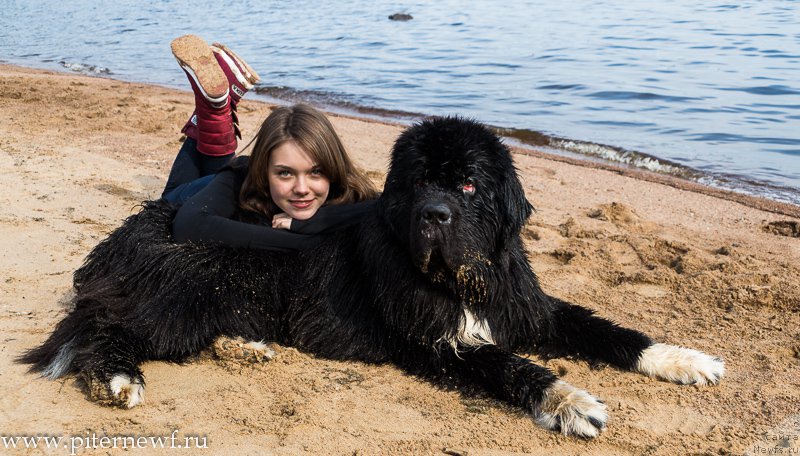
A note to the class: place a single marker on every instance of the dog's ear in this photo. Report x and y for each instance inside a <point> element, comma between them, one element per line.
<point>515,209</point>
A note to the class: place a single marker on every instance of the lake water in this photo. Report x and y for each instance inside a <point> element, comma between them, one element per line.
<point>706,90</point>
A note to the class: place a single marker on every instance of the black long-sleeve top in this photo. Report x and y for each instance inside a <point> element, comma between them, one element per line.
<point>207,217</point>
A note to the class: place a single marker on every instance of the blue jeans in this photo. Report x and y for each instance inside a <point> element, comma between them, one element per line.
<point>191,172</point>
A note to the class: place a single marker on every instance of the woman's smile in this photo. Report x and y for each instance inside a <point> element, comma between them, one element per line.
<point>301,204</point>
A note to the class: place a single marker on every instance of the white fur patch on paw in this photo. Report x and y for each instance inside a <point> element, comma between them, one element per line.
<point>263,351</point>
<point>571,411</point>
<point>127,392</point>
<point>680,365</point>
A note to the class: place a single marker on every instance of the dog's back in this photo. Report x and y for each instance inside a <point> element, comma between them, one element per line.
<point>169,300</point>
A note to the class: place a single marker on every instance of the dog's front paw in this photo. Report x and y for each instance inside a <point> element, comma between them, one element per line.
<point>681,365</point>
<point>571,411</point>
<point>121,391</point>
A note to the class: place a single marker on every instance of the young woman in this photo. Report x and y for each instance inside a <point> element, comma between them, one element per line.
<point>298,181</point>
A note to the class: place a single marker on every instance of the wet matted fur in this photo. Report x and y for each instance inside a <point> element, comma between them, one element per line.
<point>436,281</point>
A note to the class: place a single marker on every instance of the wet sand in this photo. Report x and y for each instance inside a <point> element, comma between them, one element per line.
<point>77,154</point>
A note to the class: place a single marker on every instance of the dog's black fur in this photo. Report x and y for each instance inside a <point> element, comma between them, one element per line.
<point>436,281</point>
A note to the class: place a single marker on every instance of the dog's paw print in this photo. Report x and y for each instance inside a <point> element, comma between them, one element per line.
<point>681,365</point>
<point>571,411</point>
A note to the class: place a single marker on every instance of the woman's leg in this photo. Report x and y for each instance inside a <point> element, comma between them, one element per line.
<point>241,78</point>
<point>191,171</point>
<point>185,167</point>
<point>215,132</point>
<point>180,194</point>
<point>219,78</point>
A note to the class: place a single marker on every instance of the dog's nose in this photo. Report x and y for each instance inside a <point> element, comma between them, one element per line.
<point>436,213</point>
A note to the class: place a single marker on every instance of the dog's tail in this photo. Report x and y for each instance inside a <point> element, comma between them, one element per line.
<point>58,355</point>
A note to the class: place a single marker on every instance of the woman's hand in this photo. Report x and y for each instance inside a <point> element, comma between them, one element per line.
<point>281,221</point>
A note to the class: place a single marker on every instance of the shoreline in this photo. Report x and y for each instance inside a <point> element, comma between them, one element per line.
<point>519,144</point>
<point>79,153</point>
<point>756,202</point>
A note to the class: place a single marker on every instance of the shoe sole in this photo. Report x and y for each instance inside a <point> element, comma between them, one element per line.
<point>196,58</point>
<point>249,72</point>
<point>236,70</point>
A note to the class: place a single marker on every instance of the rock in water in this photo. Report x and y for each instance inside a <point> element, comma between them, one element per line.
<point>401,17</point>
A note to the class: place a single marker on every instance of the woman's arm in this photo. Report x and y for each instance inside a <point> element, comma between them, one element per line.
<point>332,218</point>
<point>205,217</point>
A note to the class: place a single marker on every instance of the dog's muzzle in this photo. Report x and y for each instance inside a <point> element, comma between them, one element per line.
<point>432,235</point>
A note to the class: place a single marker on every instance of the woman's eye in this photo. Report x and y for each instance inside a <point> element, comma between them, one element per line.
<point>284,173</point>
<point>468,187</point>
<point>317,172</point>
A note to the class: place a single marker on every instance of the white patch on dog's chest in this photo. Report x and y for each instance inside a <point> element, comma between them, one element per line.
<point>472,332</point>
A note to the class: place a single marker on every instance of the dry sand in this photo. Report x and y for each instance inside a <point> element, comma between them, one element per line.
<point>77,154</point>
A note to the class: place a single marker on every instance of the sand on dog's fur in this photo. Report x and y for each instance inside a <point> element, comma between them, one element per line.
<point>77,154</point>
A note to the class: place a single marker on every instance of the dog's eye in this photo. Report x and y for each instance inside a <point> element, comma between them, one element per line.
<point>419,183</point>
<point>468,187</point>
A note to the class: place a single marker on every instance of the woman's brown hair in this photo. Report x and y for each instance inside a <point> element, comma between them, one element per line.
<point>313,133</point>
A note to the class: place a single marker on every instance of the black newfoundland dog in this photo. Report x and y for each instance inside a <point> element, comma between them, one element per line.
<point>436,282</point>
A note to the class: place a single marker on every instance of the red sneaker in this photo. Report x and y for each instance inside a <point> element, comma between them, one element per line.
<point>241,78</point>
<point>211,124</point>
<point>206,77</point>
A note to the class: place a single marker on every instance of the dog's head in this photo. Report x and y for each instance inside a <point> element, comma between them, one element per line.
<point>453,195</point>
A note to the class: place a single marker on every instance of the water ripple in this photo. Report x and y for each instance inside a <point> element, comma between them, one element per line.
<point>728,137</point>
<point>626,95</point>
<point>764,90</point>
<point>562,87</point>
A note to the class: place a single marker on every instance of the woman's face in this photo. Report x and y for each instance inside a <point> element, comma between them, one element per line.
<point>296,183</point>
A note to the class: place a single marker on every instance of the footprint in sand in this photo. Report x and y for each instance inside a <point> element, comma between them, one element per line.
<point>783,228</point>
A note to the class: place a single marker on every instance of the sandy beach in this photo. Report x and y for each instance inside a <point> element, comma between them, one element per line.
<point>77,154</point>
